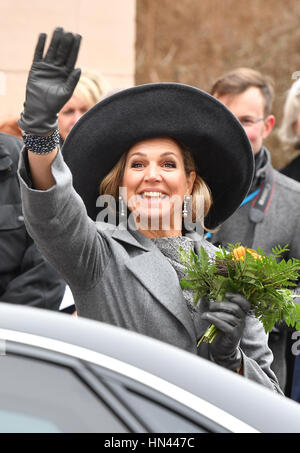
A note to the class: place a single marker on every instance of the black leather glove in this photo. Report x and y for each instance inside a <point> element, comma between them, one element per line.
<point>51,82</point>
<point>229,318</point>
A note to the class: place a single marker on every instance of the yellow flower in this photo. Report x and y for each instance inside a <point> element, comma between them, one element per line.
<point>239,254</point>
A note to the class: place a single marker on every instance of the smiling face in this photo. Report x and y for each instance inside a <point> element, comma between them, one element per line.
<point>156,182</point>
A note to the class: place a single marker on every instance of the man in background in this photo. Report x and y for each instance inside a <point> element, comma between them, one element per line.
<point>270,215</point>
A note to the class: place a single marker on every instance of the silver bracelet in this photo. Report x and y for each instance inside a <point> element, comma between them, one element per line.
<point>41,144</point>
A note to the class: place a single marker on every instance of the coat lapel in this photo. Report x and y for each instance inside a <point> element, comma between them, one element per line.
<point>133,238</point>
<point>157,275</point>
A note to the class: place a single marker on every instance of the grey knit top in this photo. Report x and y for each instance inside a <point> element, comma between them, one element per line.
<point>169,248</point>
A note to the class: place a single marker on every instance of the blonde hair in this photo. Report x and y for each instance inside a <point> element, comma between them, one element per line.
<point>92,87</point>
<point>112,181</point>
<point>287,132</point>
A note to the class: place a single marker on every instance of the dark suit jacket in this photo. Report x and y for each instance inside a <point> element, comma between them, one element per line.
<point>25,277</point>
<point>292,170</point>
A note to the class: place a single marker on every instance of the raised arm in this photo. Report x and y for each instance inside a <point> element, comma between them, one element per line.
<point>54,214</point>
<point>51,82</point>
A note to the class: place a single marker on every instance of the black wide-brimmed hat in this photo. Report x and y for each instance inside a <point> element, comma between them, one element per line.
<point>219,145</point>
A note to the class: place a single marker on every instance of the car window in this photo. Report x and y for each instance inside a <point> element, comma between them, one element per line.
<point>160,418</point>
<point>158,412</point>
<point>37,396</point>
<point>15,422</point>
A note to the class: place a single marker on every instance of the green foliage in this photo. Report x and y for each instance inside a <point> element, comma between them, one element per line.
<point>264,280</point>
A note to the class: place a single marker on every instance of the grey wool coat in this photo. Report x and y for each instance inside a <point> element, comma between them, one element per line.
<point>120,277</point>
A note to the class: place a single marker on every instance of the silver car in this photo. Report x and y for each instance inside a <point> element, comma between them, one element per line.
<point>60,374</point>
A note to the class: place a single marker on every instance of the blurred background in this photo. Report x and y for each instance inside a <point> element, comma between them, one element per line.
<point>140,41</point>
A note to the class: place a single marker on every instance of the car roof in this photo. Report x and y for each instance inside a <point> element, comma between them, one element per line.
<point>251,402</point>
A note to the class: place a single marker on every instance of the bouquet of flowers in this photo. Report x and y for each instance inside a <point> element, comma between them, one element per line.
<point>264,280</point>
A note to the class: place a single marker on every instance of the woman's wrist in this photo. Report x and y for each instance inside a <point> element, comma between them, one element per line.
<point>41,145</point>
<point>40,169</point>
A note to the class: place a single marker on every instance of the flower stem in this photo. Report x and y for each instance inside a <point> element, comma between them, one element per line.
<point>209,335</point>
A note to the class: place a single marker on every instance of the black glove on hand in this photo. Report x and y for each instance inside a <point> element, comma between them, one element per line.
<point>51,82</point>
<point>229,318</point>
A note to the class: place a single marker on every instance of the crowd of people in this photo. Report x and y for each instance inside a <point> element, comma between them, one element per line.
<point>158,142</point>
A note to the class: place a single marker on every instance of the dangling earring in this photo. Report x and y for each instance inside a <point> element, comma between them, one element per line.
<point>121,206</point>
<point>187,205</point>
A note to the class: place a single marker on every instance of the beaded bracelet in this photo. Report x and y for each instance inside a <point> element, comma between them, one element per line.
<point>41,144</point>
